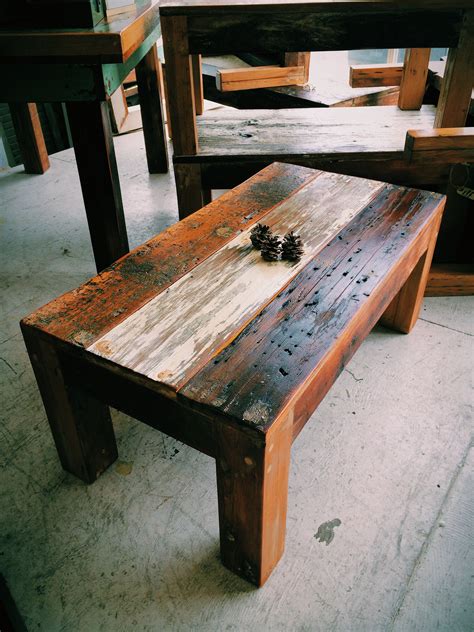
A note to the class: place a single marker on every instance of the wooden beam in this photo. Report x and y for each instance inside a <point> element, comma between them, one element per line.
<point>439,138</point>
<point>450,280</point>
<point>456,89</point>
<point>196,66</point>
<point>180,90</point>
<point>362,76</point>
<point>415,74</point>
<point>259,77</point>
<point>30,137</point>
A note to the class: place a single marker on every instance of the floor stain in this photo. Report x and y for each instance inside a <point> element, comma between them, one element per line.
<point>123,468</point>
<point>325,531</point>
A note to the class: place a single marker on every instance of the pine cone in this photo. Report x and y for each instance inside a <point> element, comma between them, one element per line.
<point>271,248</point>
<point>258,234</point>
<point>292,247</point>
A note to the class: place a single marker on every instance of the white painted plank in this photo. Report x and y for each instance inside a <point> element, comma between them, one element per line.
<point>174,334</point>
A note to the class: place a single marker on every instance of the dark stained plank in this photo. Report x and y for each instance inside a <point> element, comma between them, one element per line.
<point>150,91</point>
<point>291,31</point>
<point>212,7</point>
<point>308,333</point>
<point>95,156</point>
<point>85,314</point>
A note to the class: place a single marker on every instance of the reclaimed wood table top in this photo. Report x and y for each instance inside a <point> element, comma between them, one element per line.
<point>196,313</point>
<point>112,40</point>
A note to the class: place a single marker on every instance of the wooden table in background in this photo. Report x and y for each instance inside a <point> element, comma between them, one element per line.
<point>83,67</point>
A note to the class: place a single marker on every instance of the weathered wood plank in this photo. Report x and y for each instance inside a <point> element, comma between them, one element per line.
<point>363,76</point>
<point>322,131</point>
<point>414,76</point>
<point>177,332</point>
<point>211,7</point>
<point>403,311</point>
<point>85,314</point>
<point>227,31</point>
<point>294,349</point>
<point>260,77</point>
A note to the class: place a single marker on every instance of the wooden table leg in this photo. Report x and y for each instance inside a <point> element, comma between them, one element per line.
<point>150,91</point>
<point>81,426</point>
<point>30,137</point>
<point>95,155</point>
<point>413,82</point>
<point>252,486</point>
<point>402,313</point>
<point>191,196</point>
<point>196,66</point>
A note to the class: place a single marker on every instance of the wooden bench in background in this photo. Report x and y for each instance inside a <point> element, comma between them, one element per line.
<point>194,334</point>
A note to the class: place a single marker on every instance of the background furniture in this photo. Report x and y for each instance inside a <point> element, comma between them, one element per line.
<point>218,150</point>
<point>83,68</point>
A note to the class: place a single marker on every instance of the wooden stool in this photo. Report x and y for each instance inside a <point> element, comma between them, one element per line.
<point>196,335</point>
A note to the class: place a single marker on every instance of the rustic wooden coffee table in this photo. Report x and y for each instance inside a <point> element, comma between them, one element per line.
<point>194,334</point>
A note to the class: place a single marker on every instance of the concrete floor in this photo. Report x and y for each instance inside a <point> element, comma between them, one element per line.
<point>387,454</point>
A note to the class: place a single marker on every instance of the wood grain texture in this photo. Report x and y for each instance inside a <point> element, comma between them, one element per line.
<point>177,332</point>
<point>30,137</point>
<point>403,311</point>
<point>451,144</point>
<point>414,76</point>
<point>298,59</point>
<point>310,330</point>
<point>450,280</point>
<point>81,425</point>
<point>363,76</point>
<point>179,85</point>
<point>456,88</point>
<point>324,131</point>
<point>88,312</point>
<point>252,488</point>
<point>228,31</point>
<point>196,67</point>
<point>111,41</point>
<point>260,77</point>
<point>189,189</point>
<point>150,90</point>
<point>99,178</point>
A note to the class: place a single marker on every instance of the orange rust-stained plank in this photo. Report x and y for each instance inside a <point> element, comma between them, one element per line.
<point>85,314</point>
<point>285,347</point>
<point>252,486</point>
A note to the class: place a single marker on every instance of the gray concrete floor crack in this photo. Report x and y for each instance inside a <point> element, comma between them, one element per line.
<point>432,322</point>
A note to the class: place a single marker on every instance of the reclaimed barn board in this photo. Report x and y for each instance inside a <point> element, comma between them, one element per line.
<point>332,131</point>
<point>87,313</point>
<point>214,307</point>
<point>288,341</point>
<point>229,353</point>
